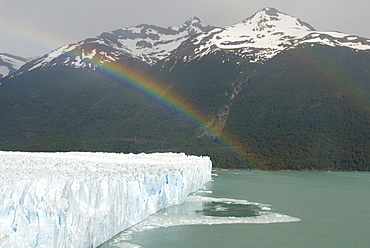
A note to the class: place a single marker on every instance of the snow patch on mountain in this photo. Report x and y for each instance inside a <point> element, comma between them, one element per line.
<point>151,43</point>
<point>10,63</point>
<point>48,58</point>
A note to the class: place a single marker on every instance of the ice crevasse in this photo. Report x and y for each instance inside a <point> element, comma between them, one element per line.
<point>81,199</point>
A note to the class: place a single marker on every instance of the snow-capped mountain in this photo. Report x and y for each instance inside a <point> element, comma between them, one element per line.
<point>10,63</point>
<point>150,43</point>
<point>262,36</point>
<point>146,43</point>
<point>255,39</point>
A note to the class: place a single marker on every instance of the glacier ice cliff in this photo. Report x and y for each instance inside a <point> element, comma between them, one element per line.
<point>80,199</point>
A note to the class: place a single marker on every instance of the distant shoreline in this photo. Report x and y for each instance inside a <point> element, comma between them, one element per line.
<point>231,169</point>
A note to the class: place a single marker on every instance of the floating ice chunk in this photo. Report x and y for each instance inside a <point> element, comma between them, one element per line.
<point>200,210</point>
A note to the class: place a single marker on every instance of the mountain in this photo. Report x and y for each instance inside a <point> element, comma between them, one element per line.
<point>269,92</point>
<point>10,63</point>
<point>140,44</point>
<point>262,36</point>
<point>256,39</point>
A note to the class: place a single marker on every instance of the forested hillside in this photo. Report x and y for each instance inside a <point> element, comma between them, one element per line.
<point>307,108</point>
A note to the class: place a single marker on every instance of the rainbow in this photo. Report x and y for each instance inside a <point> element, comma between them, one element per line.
<point>159,92</point>
<point>143,83</point>
<point>162,94</point>
<point>31,36</point>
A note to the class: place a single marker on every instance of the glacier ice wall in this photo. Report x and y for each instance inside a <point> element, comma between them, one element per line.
<point>80,199</point>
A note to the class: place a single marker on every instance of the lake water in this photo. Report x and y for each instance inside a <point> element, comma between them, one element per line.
<point>263,209</point>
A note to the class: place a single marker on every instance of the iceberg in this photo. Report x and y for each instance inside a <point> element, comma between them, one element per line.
<point>81,199</point>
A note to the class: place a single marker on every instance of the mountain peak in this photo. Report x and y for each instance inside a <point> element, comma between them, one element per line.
<point>193,20</point>
<point>271,19</point>
<point>194,26</point>
<point>262,36</point>
<point>270,11</point>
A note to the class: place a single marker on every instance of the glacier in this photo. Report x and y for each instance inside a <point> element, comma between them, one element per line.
<point>81,199</point>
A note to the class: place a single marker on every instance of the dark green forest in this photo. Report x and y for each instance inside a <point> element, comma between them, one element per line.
<point>302,113</point>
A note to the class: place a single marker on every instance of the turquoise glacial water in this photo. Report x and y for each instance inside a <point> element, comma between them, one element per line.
<point>311,209</point>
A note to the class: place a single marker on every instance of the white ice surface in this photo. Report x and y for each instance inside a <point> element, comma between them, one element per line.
<point>82,199</point>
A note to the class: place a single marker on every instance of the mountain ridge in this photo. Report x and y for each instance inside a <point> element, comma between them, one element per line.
<point>256,39</point>
<point>143,43</point>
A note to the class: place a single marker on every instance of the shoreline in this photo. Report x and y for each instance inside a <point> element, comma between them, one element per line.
<point>223,169</point>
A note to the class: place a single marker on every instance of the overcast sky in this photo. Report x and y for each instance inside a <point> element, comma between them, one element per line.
<point>35,27</point>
